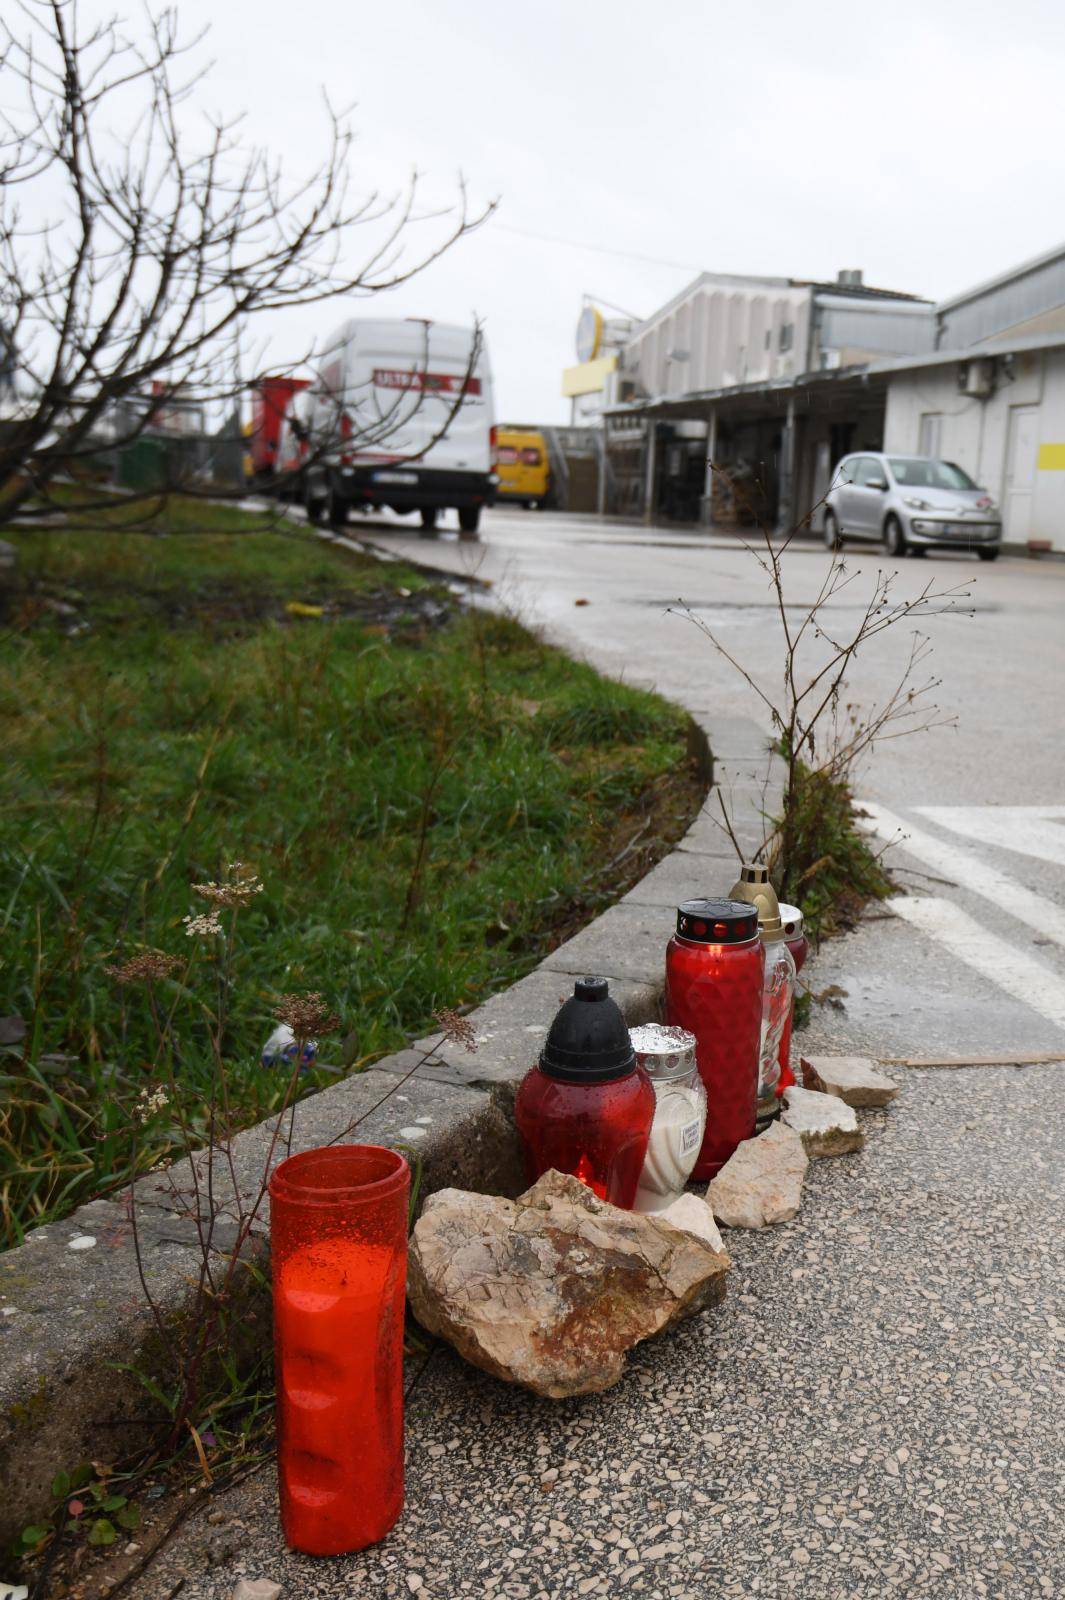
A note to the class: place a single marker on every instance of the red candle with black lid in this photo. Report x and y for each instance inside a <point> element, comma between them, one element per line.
<point>586,1108</point>
<point>714,971</point>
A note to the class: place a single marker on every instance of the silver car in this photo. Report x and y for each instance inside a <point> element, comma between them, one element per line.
<point>910,503</point>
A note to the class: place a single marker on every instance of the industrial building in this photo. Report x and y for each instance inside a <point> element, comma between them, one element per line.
<point>733,401</point>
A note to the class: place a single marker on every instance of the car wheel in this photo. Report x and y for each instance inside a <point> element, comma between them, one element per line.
<point>832,538</point>
<point>469,518</point>
<point>894,540</point>
<point>316,507</point>
<point>988,555</point>
<point>338,509</point>
<point>428,516</point>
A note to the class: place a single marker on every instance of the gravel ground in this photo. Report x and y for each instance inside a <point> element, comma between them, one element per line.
<point>875,1408</point>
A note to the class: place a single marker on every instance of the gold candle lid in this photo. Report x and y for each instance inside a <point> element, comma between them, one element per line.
<point>753,885</point>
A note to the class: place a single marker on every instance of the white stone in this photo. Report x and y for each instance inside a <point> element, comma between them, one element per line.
<point>826,1126</point>
<point>81,1241</point>
<point>761,1182</point>
<point>852,1079</point>
<point>257,1589</point>
<point>692,1215</point>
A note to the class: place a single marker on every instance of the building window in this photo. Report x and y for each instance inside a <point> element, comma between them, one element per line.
<point>787,335</point>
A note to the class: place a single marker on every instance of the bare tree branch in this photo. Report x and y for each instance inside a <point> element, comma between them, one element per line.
<point>140,240</point>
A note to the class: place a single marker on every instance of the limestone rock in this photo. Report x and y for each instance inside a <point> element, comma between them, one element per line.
<point>761,1182</point>
<point>827,1126</point>
<point>851,1079</point>
<point>552,1289</point>
<point>691,1214</point>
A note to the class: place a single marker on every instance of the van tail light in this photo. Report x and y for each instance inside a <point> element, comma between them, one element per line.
<point>493,436</point>
<point>345,433</point>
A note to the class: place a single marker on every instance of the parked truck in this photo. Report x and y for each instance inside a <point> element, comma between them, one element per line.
<point>401,416</point>
<point>270,401</point>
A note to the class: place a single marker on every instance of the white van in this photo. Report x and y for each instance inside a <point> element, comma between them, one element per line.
<point>415,400</point>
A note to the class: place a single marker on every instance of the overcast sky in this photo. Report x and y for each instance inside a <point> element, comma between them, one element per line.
<point>924,143</point>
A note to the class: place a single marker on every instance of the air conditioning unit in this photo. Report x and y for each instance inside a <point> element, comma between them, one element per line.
<point>977,378</point>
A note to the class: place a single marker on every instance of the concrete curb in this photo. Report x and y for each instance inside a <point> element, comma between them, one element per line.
<point>72,1318</point>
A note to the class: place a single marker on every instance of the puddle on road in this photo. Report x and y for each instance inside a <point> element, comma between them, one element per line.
<point>746,611</point>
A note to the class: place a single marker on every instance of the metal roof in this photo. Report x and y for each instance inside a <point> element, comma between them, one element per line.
<point>873,376</point>
<point>750,280</point>
<point>1033,265</point>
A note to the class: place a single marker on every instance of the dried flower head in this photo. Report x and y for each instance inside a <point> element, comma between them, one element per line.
<point>239,889</point>
<point>145,967</point>
<point>459,1030</point>
<point>150,1102</point>
<point>207,924</point>
<point>307,1015</point>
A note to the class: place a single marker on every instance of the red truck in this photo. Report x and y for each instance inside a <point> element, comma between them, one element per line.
<point>270,398</point>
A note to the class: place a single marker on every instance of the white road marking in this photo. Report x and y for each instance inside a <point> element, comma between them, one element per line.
<point>1013,970</point>
<point>969,871</point>
<point>1030,830</point>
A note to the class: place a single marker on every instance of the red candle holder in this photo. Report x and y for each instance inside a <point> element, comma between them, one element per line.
<point>338,1239</point>
<point>586,1108</point>
<point>714,973</point>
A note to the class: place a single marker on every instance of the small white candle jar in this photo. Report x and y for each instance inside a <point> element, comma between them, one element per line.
<point>667,1055</point>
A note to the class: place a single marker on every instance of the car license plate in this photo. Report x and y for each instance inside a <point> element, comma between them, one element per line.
<point>395,477</point>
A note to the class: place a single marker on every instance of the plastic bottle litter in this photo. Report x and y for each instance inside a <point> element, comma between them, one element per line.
<point>280,1049</point>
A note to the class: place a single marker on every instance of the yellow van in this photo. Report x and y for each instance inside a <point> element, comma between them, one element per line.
<point>522,465</point>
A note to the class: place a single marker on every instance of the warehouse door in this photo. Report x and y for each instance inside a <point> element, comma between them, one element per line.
<point>1022,450</point>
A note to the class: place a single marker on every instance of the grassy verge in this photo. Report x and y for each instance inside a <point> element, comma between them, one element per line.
<point>431,797</point>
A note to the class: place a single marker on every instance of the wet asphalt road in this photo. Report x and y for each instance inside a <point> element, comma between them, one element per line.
<point>877,1407</point>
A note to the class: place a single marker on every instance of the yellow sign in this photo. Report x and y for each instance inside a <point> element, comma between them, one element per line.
<point>1052,458</point>
<point>588,378</point>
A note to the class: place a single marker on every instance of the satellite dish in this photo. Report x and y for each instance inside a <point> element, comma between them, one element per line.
<point>589,334</point>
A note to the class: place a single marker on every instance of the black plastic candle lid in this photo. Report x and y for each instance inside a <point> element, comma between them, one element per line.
<point>717,921</point>
<point>588,1042</point>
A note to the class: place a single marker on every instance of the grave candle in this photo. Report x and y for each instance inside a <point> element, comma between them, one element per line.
<point>339,1252</point>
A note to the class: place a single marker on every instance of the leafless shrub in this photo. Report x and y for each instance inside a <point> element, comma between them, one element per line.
<point>819,731</point>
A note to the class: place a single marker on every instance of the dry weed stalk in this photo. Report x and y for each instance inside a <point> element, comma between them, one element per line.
<point>221,1205</point>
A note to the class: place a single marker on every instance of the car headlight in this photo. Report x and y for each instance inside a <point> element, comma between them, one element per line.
<point>915,503</point>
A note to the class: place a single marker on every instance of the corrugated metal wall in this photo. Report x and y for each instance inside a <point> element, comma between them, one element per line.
<point>876,326</point>
<point>1004,306</point>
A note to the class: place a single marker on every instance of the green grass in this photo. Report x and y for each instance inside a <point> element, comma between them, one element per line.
<point>165,716</point>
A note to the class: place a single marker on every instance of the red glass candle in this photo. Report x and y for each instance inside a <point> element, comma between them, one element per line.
<point>338,1240</point>
<point>586,1108</point>
<point>714,971</point>
<point>797,943</point>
